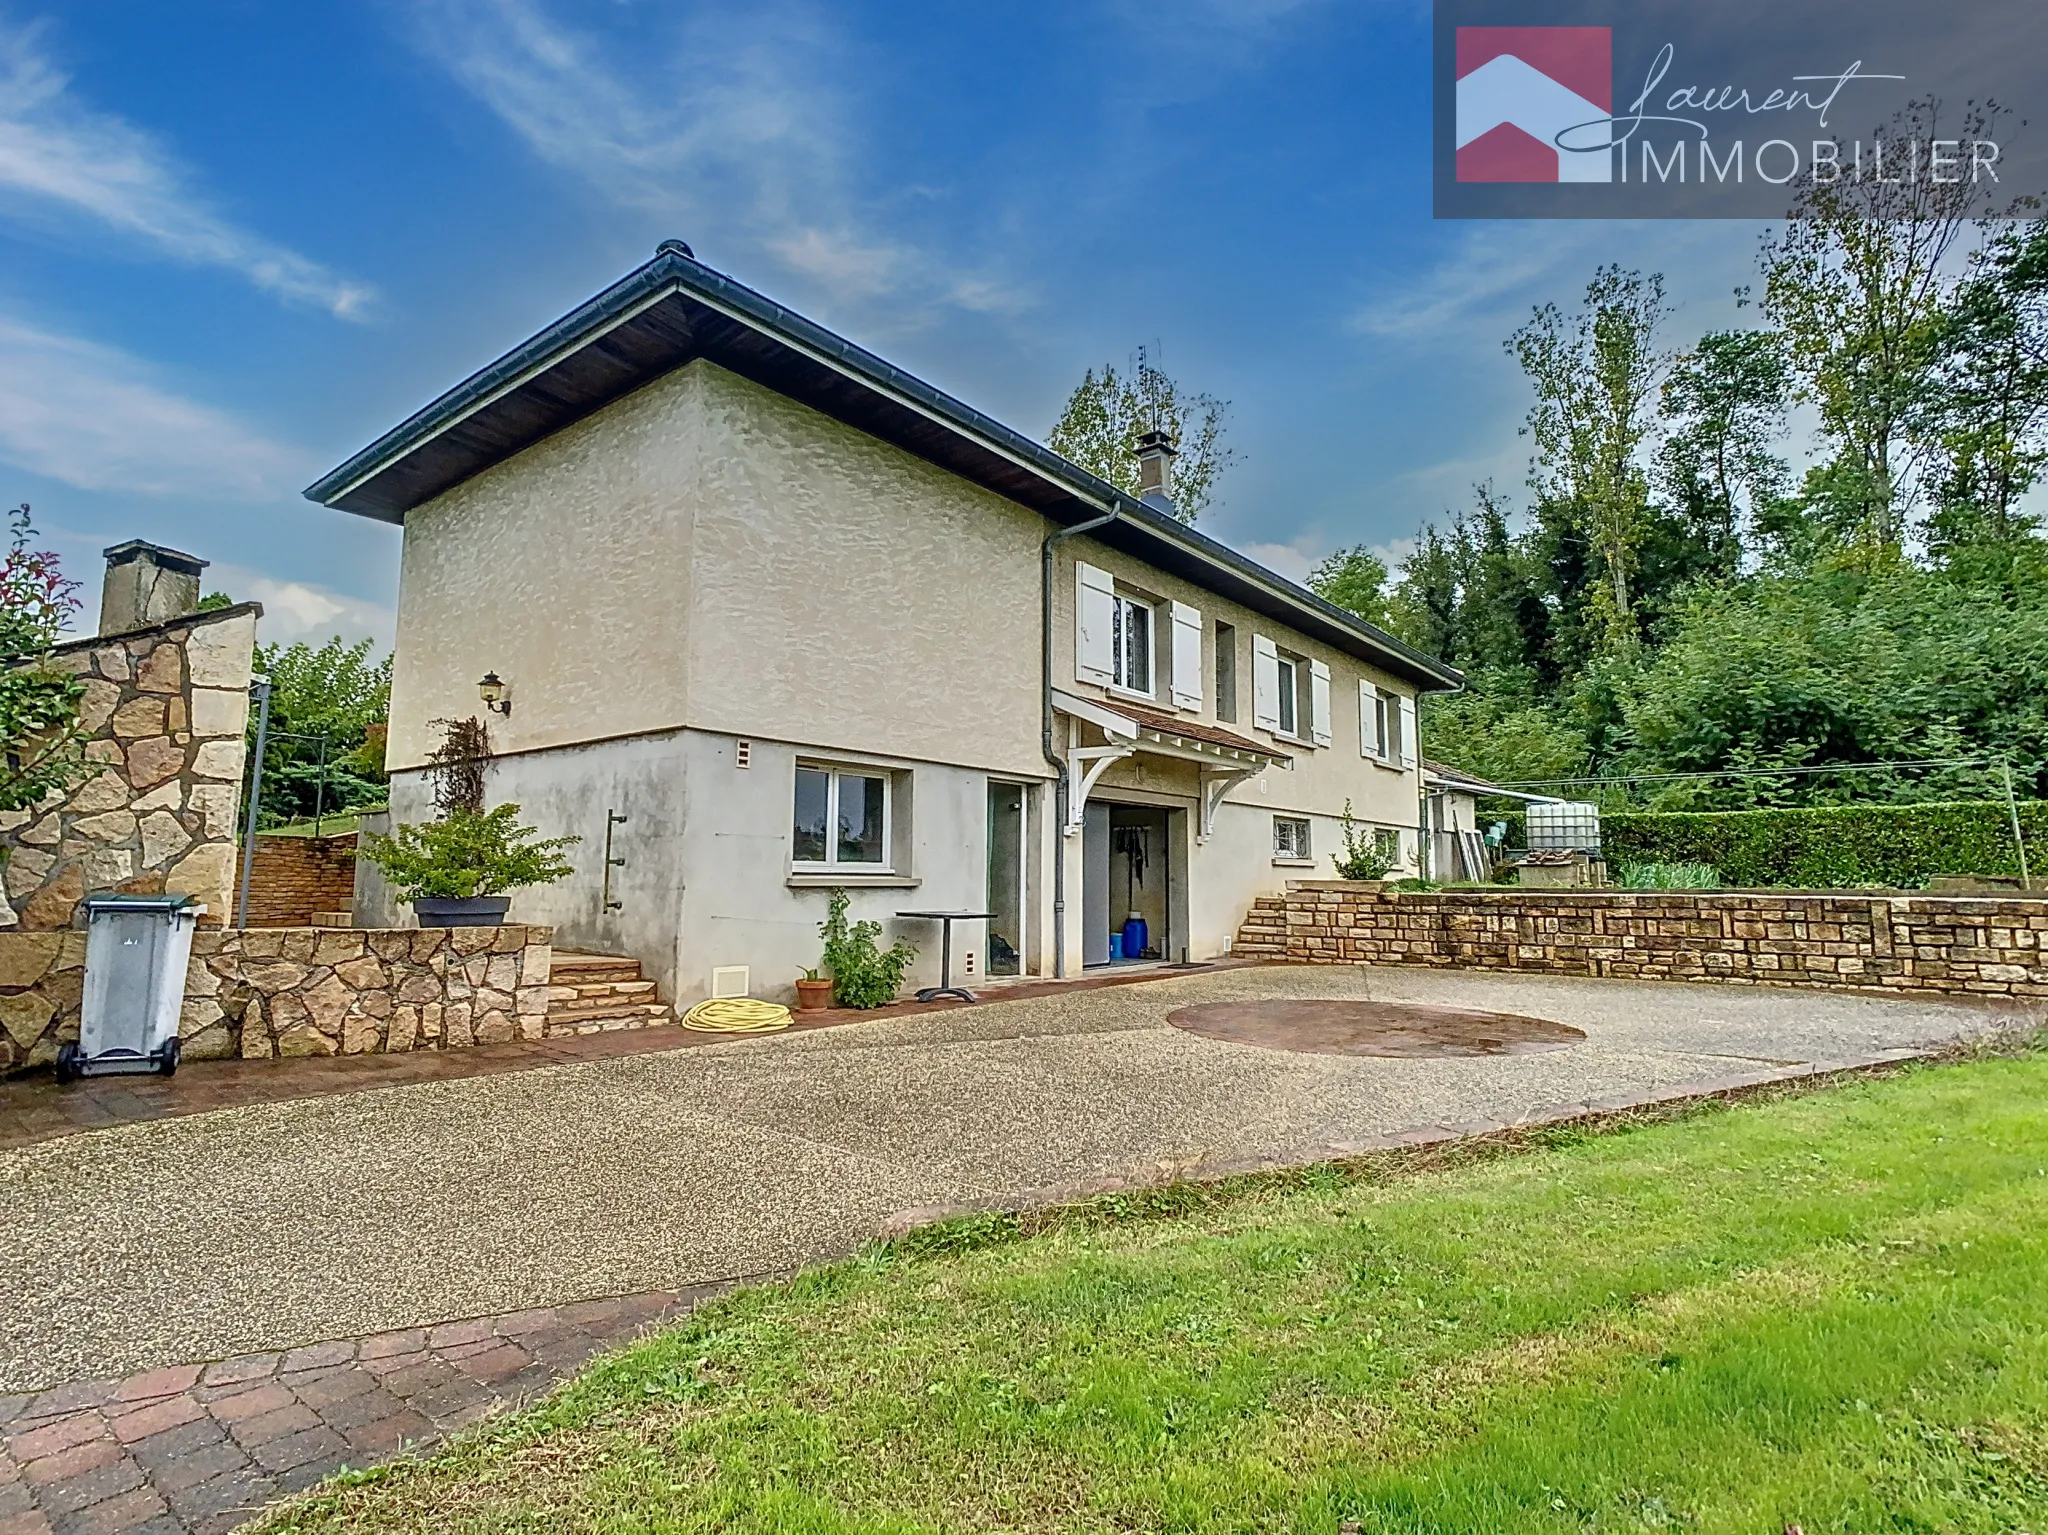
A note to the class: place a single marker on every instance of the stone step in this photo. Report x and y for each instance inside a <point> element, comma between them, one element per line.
<point>570,969</point>
<point>589,993</point>
<point>332,919</point>
<point>634,1016</point>
<point>640,991</point>
<point>560,1006</point>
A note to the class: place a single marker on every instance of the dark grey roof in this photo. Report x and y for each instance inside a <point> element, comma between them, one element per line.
<point>674,310</point>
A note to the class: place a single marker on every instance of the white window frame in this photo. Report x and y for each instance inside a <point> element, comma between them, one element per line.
<point>1378,719</point>
<point>1119,670</point>
<point>1287,696</point>
<point>834,772</point>
<point>1305,853</point>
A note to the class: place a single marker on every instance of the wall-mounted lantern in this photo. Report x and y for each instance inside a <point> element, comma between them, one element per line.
<point>496,693</point>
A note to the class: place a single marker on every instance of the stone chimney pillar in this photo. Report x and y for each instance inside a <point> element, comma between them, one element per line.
<point>1155,470</point>
<point>147,584</point>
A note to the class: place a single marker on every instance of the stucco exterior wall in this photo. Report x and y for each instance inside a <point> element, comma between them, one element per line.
<point>1321,778</point>
<point>569,792</point>
<point>706,877</point>
<point>851,595</point>
<point>565,570</point>
<point>843,590</point>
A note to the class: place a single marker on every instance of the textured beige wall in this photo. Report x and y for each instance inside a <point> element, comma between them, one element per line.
<point>853,596</point>
<point>1322,777</point>
<point>564,569</point>
<point>846,593</point>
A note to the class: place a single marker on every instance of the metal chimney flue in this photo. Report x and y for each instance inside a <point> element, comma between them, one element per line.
<point>147,584</point>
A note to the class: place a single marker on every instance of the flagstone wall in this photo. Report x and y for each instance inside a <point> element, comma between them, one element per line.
<point>165,711</point>
<point>273,992</point>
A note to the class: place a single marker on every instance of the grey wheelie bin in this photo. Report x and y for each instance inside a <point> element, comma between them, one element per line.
<point>136,951</point>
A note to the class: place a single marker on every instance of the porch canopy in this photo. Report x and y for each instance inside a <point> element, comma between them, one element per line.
<point>1224,758</point>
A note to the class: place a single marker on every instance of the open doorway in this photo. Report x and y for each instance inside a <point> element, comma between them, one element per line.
<point>1129,877</point>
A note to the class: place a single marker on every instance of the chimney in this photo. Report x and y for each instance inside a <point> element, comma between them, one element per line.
<point>147,584</point>
<point>1155,471</point>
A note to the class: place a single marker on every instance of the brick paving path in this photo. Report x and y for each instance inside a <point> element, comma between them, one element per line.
<point>195,1449</point>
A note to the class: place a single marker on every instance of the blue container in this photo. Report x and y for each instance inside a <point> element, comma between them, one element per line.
<point>1116,945</point>
<point>1136,938</point>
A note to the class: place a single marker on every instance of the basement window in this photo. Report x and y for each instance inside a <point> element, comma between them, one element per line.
<point>842,820</point>
<point>1290,839</point>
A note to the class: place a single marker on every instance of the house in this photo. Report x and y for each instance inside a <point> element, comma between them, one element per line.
<point>766,615</point>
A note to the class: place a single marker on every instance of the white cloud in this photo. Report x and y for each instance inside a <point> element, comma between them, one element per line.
<point>1293,561</point>
<point>299,610</point>
<point>58,155</point>
<point>733,135</point>
<point>93,417</point>
<point>1495,272</point>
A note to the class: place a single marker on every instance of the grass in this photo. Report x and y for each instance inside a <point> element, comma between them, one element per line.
<point>336,824</point>
<point>1670,876</point>
<point>1828,1310</point>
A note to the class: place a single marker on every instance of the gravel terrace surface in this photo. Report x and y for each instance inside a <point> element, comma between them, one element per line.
<point>277,1225</point>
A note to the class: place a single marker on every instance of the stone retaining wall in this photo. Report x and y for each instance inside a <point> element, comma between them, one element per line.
<point>257,992</point>
<point>295,877</point>
<point>1956,945</point>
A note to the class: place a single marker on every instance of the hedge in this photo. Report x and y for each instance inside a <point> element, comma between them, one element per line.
<point>1898,847</point>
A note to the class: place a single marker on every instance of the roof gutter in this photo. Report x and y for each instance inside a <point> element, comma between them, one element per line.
<point>1062,787</point>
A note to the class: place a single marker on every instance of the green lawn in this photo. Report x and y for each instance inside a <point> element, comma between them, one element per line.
<point>1828,1310</point>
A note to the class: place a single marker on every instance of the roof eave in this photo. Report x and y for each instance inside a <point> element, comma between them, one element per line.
<point>671,272</point>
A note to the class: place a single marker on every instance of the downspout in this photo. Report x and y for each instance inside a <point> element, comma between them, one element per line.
<point>1062,789</point>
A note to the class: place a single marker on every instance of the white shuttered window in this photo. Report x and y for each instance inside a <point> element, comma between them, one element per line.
<point>1187,657</point>
<point>1319,703</point>
<point>1265,683</point>
<point>1094,625</point>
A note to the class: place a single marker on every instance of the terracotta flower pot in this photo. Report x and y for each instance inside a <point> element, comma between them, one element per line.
<point>811,996</point>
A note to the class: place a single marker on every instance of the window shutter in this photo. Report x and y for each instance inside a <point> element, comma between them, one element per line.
<point>1409,744</point>
<point>1265,684</point>
<point>1319,703</point>
<point>1369,742</point>
<point>1094,625</point>
<point>1187,657</point>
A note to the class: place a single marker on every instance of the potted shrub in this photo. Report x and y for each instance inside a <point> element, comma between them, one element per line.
<point>813,992</point>
<point>453,871</point>
<point>863,974</point>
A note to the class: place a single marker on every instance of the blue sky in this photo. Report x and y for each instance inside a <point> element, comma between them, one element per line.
<point>240,239</point>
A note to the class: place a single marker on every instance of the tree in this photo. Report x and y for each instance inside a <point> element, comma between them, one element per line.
<point>1596,375</point>
<point>39,730</point>
<point>1355,580</point>
<point>1986,412</point>
<point>1856,285</point>
<point>335,694</point>
<point>1107,413</point>
<point>1724,404</point>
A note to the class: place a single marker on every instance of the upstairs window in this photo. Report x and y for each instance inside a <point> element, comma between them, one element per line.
<point>842,820</point>
<point>1287,694</point>
<point>1131,630</point>
<point>1226,673</point>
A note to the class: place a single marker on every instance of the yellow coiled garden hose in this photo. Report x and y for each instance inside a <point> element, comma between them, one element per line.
<point>736,1015</point>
